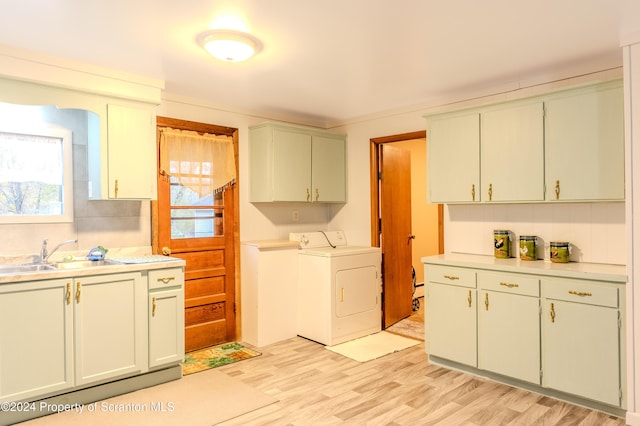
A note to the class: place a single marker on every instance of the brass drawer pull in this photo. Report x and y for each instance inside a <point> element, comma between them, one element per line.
<point>68,293</point>
<point>473,192</point>
<point>510,285</point>
<point>166,280</point>
<point>469,298</point>
<point>153,307</point>
<point>78,292</point>
<point>552,313</point>
<point>486,301</point>
<point>580,293</point>
<point>452,277</point>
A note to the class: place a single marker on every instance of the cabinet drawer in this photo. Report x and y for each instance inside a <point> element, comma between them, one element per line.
<point>161,278</point>
<point>450,275</point>
<point>509,283</point>
<point>589,292</point>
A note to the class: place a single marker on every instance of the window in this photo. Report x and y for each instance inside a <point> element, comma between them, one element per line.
<point>35,175</point>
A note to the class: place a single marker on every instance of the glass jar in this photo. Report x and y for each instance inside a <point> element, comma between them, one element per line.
<point>501,244</point>
<point>559,252</point>
<point>528,247</point>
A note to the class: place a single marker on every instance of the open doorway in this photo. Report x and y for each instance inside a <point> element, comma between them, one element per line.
<point>423,233</point>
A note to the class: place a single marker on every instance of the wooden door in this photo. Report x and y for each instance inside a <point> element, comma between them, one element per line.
<point>395,214</point>
<point>210,255</point>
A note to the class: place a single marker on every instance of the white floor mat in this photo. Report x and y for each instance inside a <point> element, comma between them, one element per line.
<point>373,346</point>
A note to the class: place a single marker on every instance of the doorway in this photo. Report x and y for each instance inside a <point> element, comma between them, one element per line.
<point>399,242</point>
<point>196,219</point>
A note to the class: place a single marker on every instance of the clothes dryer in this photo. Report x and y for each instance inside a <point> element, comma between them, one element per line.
<point>339,288</point>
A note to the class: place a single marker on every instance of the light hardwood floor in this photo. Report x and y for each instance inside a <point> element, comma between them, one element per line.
<point>315,386</point>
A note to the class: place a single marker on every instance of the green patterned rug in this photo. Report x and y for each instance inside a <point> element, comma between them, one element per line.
<point>215,356</point>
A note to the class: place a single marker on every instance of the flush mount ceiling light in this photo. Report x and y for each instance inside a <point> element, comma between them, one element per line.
<point>230,45</point>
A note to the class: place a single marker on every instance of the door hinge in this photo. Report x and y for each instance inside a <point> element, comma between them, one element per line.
<point>380,225</point>
<point>380,175</point>
<point>619,320</point>
<point>234,308</point>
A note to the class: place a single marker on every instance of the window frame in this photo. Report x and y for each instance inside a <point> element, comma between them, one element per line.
<point>65,135</point>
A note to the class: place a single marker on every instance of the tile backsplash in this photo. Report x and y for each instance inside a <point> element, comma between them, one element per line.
<point>595,230</point>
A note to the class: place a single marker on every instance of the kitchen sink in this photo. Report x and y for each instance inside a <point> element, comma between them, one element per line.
<point>22,269</point>
<point>79,264</point>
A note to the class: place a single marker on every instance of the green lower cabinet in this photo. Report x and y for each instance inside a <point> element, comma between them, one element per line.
<point>581,350</point>
<point>509,335</point>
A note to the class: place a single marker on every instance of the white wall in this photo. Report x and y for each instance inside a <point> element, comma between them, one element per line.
<point>631,54</point>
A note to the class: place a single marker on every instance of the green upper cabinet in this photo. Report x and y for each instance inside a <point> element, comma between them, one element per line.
<point>512,153</point>
<point>296,164</point>
<point>560,147</point>
<point>584,140</point>
<point>453,150</point>
<point>125,166</point>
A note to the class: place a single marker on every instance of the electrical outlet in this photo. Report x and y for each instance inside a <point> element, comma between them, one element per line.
<point>295,215</point>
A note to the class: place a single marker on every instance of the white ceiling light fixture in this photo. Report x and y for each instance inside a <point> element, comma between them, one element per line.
<point>230,45</point>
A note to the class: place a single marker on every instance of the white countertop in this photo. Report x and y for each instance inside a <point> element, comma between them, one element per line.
<point>272,244</point>
<point>90,271</point>
<point>579,270</point>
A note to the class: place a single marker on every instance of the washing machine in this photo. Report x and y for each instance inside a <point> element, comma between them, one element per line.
<point>339,288</point>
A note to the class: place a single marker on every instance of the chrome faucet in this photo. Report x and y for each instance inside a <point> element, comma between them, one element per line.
<point>44,254</point>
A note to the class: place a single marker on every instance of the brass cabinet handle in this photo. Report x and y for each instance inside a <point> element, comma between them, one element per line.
<point>153,307</point>
<point>557,190</point>
<point>486,301</point>
<point>317,194</point>
<point>116,189</point>
<point>308,195</point>
<point>469,298</point>
<point>452,277</point>
<point>552,313</point>
<point>509,285</point>
<point>78,292</point>
<point>68,293</point>
<point>473,192</point>
<point>490,191</point>
<point>166,280</point>
<point>580,293</point>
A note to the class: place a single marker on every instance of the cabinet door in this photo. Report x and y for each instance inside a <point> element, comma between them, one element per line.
<point>453,159</point>
<point>291,166</point>
<point>328,170</point>
<point>166,326</point>
<point>450,323</point>
<point>36,339</point>
<point>512,154</point>
<point>586,127</point>
<point>580,350</point>
<point>110,320</point>
<point>131,152</point>
<point>509,335</point>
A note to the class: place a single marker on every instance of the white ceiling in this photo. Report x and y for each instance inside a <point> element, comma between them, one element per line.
<point>331,61</point>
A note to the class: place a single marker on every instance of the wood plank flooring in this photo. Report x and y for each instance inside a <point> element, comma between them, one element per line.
<point>315,386</point>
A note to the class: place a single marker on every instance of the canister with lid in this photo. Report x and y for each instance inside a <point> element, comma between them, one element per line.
<point>528,247</point>
<point>501,244</point>
<point>559,251</point>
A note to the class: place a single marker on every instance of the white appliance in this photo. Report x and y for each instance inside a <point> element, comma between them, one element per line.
<point>339,288</point>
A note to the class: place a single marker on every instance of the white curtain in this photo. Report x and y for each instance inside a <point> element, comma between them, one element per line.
<point>204,163</point>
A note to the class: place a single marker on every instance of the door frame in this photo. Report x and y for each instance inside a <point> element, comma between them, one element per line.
<point>374,161</point>
<point>220,130</point>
